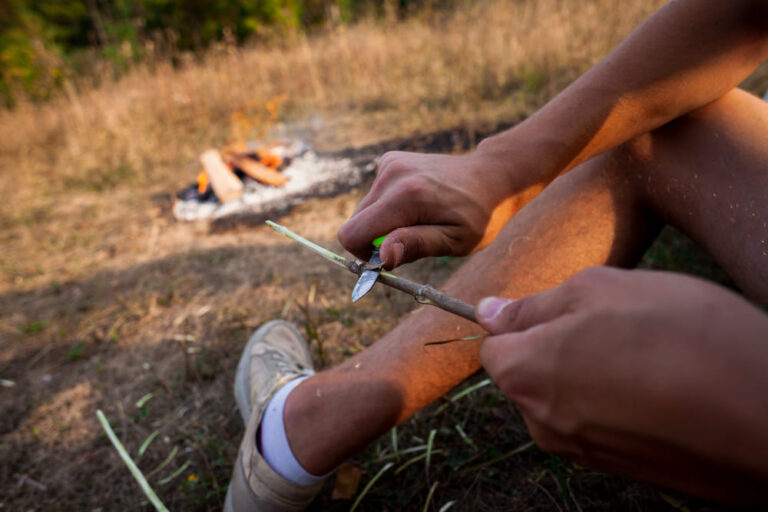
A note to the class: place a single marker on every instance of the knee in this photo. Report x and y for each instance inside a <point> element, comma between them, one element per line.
<point>628,166</point>
<point>622,168</point>
<point>635,153</point>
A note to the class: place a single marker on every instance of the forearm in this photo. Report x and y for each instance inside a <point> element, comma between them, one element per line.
<point>686,55</point>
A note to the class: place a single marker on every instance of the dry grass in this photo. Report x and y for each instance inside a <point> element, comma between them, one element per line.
<point>426,71</point>
<point>96,148</point>
<point>96,281</point>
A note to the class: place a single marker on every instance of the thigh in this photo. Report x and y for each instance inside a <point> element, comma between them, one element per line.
<point>706,173</point>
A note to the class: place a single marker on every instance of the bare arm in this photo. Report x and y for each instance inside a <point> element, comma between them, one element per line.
<point>686,55</point>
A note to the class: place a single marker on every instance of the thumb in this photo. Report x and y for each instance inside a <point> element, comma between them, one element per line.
<point>407,244</point>
<point>498,315</point>
<point>490,313</point>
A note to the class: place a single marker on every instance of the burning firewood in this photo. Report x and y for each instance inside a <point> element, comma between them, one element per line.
<point>256,170</point>
<point>225,184</point>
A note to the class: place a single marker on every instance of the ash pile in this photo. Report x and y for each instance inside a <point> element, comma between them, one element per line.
<point>249,183</point>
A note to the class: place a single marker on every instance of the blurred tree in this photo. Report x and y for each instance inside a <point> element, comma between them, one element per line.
<point>30,63</point>
<point>41,41</point>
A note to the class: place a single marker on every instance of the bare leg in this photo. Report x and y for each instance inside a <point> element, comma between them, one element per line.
<point>585,218</point>
<point>703,173</point>
<point>707,174</point>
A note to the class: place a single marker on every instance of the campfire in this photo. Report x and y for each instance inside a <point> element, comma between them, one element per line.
<point>224,172</point>
<point>251,181</point>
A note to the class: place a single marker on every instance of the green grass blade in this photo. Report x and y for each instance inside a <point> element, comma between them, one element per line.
<point>452,340</point>
<point>174,474</point>
<point>465,437</point>
<point>145,444</point>
<point>448,505</point>
<point>393,435</point>
<point>430,442</point>
<point>143,400</point>
<point>135,471</point>
<point>470,389</point>
<point>414,460</point>
<point>510,453</point>
<point>429,496</point>
<point>167,460</point>
<point>406,451</point>
<point>369,485</point>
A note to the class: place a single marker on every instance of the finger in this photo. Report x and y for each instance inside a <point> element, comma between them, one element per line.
<point>501,355</point>
<point>513,363</point>
<point>371,197</point>
<point>408,244</point>
<point>524,364</point>
<point>498,314</point>
<point>390,169</point>
<point>378,219</point>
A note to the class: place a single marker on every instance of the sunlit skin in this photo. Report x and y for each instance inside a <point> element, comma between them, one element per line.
<point>649,374</point>
<point>688,54</point>
<point>614,367</point>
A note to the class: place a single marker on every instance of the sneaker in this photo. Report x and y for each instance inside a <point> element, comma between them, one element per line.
<point>275,355</point>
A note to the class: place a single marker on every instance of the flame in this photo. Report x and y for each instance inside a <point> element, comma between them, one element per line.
<point>202,182</point>
<point>268,158</point>
<point>255,119</point>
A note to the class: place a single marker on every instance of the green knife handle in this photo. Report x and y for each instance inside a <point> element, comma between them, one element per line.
<point>377,243</point>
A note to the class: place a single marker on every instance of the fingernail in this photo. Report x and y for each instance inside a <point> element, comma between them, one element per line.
<point>490,307</point>
<point>399,251</point>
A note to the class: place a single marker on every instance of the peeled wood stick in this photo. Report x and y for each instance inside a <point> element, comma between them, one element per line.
<point>225,184</point>
<point>256,170</point>
<point>423,293</point>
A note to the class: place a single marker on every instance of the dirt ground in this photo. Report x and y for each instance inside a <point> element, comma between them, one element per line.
<point>149,325</point>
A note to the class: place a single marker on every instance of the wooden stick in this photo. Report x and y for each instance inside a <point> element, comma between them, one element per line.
<point>423,293</point>
<point>256,170</point>
<point>225,184</point>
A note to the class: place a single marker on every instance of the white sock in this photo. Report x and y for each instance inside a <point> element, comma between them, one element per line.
<point>274,443</point>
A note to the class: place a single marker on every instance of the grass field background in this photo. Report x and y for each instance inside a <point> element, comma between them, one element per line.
<point>107,302</point>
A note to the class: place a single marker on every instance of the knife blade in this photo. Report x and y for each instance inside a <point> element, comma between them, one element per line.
<point>369,276</point>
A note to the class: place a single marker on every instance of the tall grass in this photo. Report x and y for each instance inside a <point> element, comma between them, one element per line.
<point>504,57</point>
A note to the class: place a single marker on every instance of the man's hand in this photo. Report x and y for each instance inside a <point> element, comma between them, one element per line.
<point>431,205</point>
<point>652,375</point>
<point>688,54</point>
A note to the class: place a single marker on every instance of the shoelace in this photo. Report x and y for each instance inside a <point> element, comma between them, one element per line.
<point>282,364</point>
